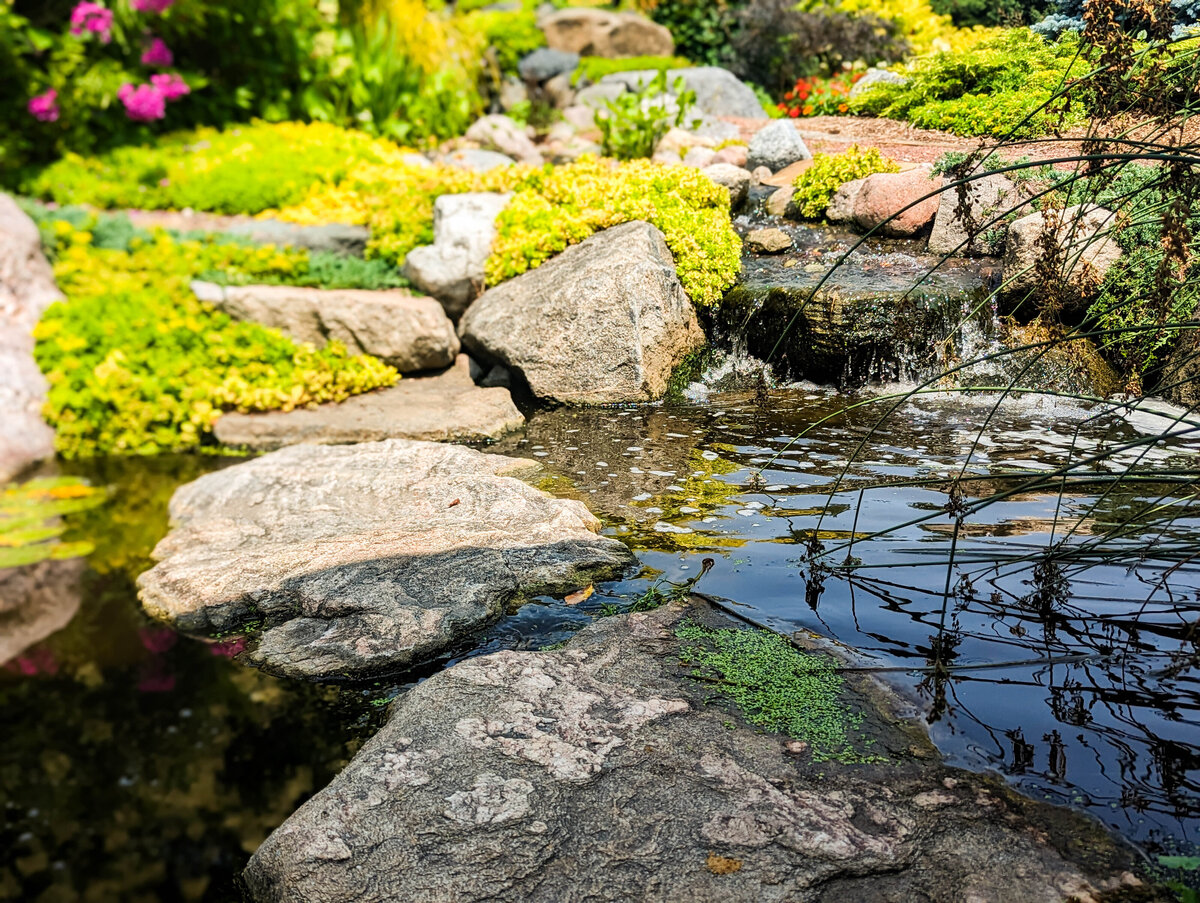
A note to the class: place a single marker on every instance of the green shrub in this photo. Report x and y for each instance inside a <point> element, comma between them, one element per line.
<point>594,68</point>
<point>703,29</point>
<point>242,170</point>
<point>512,35</point>
<point>137,365</point>
<point>998,87</point>
<point>634,123</point>
<point>816,186</point>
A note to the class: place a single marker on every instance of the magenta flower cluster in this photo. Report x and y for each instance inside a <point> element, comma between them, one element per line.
<point>143,103</point>
<point>44,107</point>
<point>158,54</point>
<point>94,18</point>
<point>148,102</point>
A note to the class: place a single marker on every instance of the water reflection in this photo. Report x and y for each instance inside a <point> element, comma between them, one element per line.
<point>1075,675</point>
<point>137,764</point>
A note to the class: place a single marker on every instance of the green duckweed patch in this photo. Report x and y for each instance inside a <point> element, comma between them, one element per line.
<point>778,688</point>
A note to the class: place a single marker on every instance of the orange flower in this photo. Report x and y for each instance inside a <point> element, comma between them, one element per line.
<point>808,109</point>
<point>843,107</point>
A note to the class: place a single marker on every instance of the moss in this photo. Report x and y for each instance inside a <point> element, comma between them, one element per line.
<point>777,687</point>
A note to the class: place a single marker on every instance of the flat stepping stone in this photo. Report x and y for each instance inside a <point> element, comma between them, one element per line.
<point>448,407</point>
<point>351,561</point>
<point>411,332</point>
<point>602,772</point>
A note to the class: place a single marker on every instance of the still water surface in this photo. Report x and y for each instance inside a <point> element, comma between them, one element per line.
<point>138,765</point>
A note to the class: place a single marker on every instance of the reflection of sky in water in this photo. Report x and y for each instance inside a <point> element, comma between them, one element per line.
<point>1107,723</point>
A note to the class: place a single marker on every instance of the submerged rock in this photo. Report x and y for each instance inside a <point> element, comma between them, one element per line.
<point>410,332</point>
<point>26,289</point>
<point>446,407</point>
<point>881,314</point>
<point>605,321</point>
<point>36,601</point>
<point>768,241</point>
<point>601,772</point>
<point>452,268</point>
<point>357,560</point>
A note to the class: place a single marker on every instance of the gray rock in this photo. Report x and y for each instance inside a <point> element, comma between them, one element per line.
<point>600,772</point>
<point>337,238</point>
<point>718,91</point>
<point>874,76</point>
<point>777,145</point>
<point>841,205</point>
<point>362,559</point>
<point>736,179</point>
<point>447,407</point>
<point>452,268</point>
<point>26,289</point>
<point>477,160</point>
<point>716,129</point>
<point>768,241</point>
<point>698,157</point>
<point>605,321</point>
<point>782,203</point>
<point>513,93</point>
<point>968,221</point>
<point>579,116</point>
<point>544,63</point>
<point>410,332</point>
<point>595,32</point>
<point>36,601</point>
<point>1086,249</point>
<point>596,97</point>
<point>500,133</point>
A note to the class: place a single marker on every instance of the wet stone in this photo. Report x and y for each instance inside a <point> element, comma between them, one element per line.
<point>351,561</point>
<point>601,772</point>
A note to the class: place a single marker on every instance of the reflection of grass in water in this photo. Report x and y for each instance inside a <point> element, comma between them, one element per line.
<point>30,525</point>
<point>777,687</point>
<point>702,490</point>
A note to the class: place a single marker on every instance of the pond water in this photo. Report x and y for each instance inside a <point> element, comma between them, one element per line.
<point>138,765</point>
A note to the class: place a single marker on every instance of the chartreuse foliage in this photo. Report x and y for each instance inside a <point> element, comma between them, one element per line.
<point>322,174</point>
<point>552,208</point>
<point>242,170</point>
<point>816,186</point>
<point>776,687</point>
<point>997,87</point>
<point>137,365</point>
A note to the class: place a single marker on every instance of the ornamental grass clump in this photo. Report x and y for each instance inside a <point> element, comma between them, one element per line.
<point>137,365</point>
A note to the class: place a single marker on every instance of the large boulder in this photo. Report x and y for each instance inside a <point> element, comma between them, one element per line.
<point>892,202</point>
<point>26,289</point>
<point>448,407</point>
<point>410,332</point>
<point>356,560</point>
<point>969,217</point>
<point>776,146</point>
<point>602,772</point>
<point>718,91</point>
<point>1080,243</point>
<point>595,32</point>
<point>605,321</point>
<point>452,268</point>
<point>501,133</point>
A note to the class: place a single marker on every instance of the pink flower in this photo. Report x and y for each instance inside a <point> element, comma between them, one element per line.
<point>44,107</point>
<point>145,103</point>
<point>93,17</point>
<point>152,6</point>
<point>158,54</point>
<point>171,86</point>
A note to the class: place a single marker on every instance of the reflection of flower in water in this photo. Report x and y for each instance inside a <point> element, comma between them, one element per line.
<point>36,661</point>
<point>229,648</point>
<point>158,639</point>
<point>157,680</point>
